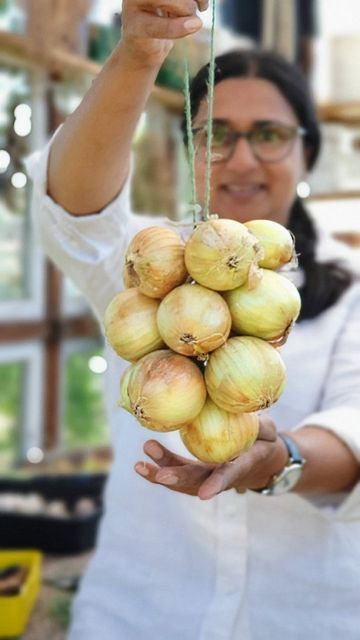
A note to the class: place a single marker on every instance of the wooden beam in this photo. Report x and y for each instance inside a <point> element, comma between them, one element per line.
<point>16,50</point>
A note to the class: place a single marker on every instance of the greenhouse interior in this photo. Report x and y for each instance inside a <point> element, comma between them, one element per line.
<point>55,440</point>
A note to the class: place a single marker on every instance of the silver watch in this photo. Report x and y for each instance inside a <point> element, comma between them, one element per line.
<point>291,473</point>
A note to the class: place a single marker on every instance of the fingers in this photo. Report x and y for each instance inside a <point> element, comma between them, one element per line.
<point>163,456</point>
<point>170,7</point>
<point>203,5</point>
<point>267,428</point>
<point>161,19</point>
<point>184,479</point>
<point>173,471</point>
<point>162,28</point>
<point>245,472</point>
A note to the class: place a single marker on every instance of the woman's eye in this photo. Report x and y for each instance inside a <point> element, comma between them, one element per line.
<point>220,136</point>
<point>268,135</point>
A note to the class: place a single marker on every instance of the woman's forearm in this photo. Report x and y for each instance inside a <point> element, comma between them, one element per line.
<point>330,466</point>
<point>89,158</point>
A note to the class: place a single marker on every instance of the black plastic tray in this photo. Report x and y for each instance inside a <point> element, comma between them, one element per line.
<point>51,534</point>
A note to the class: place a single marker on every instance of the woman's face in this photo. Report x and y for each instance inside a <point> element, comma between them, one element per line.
<point>244,187</point>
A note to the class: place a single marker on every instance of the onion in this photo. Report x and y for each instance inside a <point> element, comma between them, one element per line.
<point>219,436</point>
<point>124,381</point>
<point>154,262</point>
<point>267,311</point>
<point>276,241</point>
<point>193,320</point>
<point>220,254</point>
<point>130,324</point>
<point>164,389</point>
<point>245,374</point>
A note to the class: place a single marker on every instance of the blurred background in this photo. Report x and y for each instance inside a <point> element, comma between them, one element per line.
<point>52,416</point>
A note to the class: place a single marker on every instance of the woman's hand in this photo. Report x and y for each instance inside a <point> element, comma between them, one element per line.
<point>251,470</point>
<point>150,26</point>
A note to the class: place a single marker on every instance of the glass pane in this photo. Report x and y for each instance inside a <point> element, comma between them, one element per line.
<point>11,386</point>
<point>15,129</point>
<point>85,422</point>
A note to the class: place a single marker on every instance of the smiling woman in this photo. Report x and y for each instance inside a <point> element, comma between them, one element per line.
<point>199,532</point>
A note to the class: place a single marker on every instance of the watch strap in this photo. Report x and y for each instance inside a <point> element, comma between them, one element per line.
<point>293,449</point>
<point>295,459</point>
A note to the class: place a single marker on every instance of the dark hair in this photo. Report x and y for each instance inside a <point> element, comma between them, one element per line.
<point>324,282</point>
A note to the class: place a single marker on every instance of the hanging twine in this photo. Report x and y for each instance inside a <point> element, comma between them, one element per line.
<point>190,137</point>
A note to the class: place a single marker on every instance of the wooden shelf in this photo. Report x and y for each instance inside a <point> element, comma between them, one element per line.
<point>344,113</point>
<point>336,195</point>
<point>17,50</point>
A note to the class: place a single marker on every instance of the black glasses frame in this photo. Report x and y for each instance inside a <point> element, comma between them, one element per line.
<point>248,135</point>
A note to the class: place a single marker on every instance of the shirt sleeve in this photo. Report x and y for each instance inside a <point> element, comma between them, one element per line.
<point>340,405</point>
<point>88,249</point>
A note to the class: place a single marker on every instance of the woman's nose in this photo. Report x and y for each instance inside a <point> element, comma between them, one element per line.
<point>242,154</point>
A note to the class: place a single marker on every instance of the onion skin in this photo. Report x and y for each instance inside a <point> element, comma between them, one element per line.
<point>266,311</point>
<point>165,390</point>
<point>124,396</point>
<point>193,320</point>
<point>130,324</point>
<point>154,262</point>
<point>246,374</point>
<point>220,253</point>
<point>275,240</point>
<point>217,436</point>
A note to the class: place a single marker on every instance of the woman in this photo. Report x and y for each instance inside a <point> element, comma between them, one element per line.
<point>281,554</point>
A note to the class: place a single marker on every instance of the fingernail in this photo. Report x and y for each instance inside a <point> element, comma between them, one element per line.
<point>168,479</point>
<point>140,468</point>
<point>154,451</point>
<point>193,24</point>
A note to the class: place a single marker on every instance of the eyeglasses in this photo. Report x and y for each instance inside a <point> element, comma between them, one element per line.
<point>269,141</point>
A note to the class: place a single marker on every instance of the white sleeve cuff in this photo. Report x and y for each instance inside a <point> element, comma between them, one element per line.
<point>344,422</point>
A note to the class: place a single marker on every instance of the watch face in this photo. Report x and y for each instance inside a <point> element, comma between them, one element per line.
<point>287,480</point>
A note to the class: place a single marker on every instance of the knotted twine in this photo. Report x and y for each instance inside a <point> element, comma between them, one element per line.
<point>194,205</point>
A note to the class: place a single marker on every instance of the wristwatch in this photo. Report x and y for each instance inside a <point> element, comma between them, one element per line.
<point>290,475</point>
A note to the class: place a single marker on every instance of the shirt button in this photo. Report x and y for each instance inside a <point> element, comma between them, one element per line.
<point>231,510</point>
<point>228,588</point>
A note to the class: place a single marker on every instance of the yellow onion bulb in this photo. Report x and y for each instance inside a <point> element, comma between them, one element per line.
<point>220,254</point>
<point>245,374</point>
<point>130,324</point>
<point>154,262</point>
<point>266,311</point>
<point>165,390</point>
<point>124,396</point>
<point>219,436</point>
<point>276,242</point>
<point>193,320</point>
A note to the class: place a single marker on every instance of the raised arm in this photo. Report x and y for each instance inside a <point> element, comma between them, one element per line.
<point>89,157</point>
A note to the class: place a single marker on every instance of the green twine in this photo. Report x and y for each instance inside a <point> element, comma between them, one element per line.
<point>190,139</point>
<point>211,83</point>
<point>189,132</point>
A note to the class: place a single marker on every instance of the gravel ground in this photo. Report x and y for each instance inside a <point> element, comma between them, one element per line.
<point>48,618</point>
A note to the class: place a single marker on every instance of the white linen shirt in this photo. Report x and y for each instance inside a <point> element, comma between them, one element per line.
<point>238,567</point>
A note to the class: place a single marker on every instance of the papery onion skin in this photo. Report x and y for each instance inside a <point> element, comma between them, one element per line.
<point>130,324</point>
<point>154,262</point>
<point>246,374</point>
<point>220,253</point>
<point>217,436</point>
<point>124,401</point>
<point>275,240</point>
<point>266,311</point>
<point>193,320</point>
<point>165,390</point>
